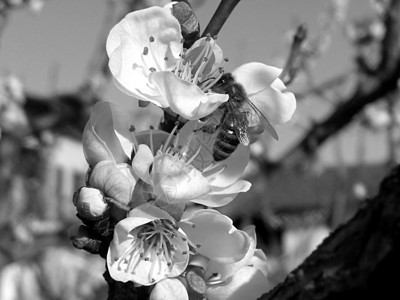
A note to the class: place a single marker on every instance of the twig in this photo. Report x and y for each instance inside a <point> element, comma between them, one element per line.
<point>220,16</point>
<point>289,71</point>
<point>341,117</point>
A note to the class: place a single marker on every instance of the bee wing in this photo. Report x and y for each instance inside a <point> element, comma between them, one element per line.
<point>256,116</point>
<point>240,123</point>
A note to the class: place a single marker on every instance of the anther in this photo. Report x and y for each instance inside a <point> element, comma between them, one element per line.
<point>145,51</point>
<point>151,39</point>
<point>152,69</point>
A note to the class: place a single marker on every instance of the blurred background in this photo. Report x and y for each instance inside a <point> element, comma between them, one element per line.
<point>342,140</point>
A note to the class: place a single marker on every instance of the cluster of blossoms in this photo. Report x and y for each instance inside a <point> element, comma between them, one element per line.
<point>148,204</point>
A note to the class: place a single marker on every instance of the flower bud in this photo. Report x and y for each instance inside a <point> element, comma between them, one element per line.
<point>196,284</point>
<point>189,23</point>
<point>90,203</point>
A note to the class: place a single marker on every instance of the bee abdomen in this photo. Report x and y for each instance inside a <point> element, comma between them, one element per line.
<point>225,143</point>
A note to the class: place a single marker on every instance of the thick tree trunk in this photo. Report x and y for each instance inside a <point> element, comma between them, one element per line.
<point>359,260</point>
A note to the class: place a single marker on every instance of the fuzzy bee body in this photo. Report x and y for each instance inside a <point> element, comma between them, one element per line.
<point>226,141</point>
<point>236,115</point>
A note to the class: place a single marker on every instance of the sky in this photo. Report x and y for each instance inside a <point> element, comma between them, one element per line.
<point>50,50</point>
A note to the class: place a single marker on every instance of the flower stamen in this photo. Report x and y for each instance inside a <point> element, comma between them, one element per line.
<point>151,40</point>
<point>213,82</point>
<point>191,67</point>
<point>189,161</point>
<point>213,169</point>
<point>151,140</point>
<point>132,130</point>
<point>153,243</point>
<point>170,137</point>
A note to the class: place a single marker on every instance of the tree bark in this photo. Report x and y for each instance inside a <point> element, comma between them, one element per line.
<point>358,260</point>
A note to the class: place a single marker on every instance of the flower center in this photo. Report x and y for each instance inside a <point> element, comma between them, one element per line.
<point>156,243</point>
<point>196,65</point>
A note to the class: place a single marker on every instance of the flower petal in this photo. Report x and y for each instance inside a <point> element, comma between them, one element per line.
<point>233,168</point>
<point>278,106</point>
<point>153,138</point>
<point>255,76</point>
<point>115,180</point>
<point>142,161</point>
<point>121,124</point>
<point>219,240</point>
<point>149,211</point>
<point>247,283</point>
<point>220,196</point>
<point>185,98</point>
<point>175,181</point>
<point>266,91</point>
<point>130,62</point>
<point>259,261</point>
<point>225,270</point>
<point>169,289</point>
<point>99,139</point>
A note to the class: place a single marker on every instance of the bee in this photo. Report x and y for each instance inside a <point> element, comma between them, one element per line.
<point>237,113</point>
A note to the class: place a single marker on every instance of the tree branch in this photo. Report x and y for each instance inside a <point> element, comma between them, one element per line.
<point>358,259</point>
<point>220,16</point>
<point>371,90</point>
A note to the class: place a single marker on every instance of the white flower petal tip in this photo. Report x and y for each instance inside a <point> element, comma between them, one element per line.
<point>267,92</point>
<point>215,236</point>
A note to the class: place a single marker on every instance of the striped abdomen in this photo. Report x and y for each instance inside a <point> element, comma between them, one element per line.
<point>226,141</point>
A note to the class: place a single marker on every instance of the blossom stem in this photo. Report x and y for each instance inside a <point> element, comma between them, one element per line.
<point>222,13</point>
